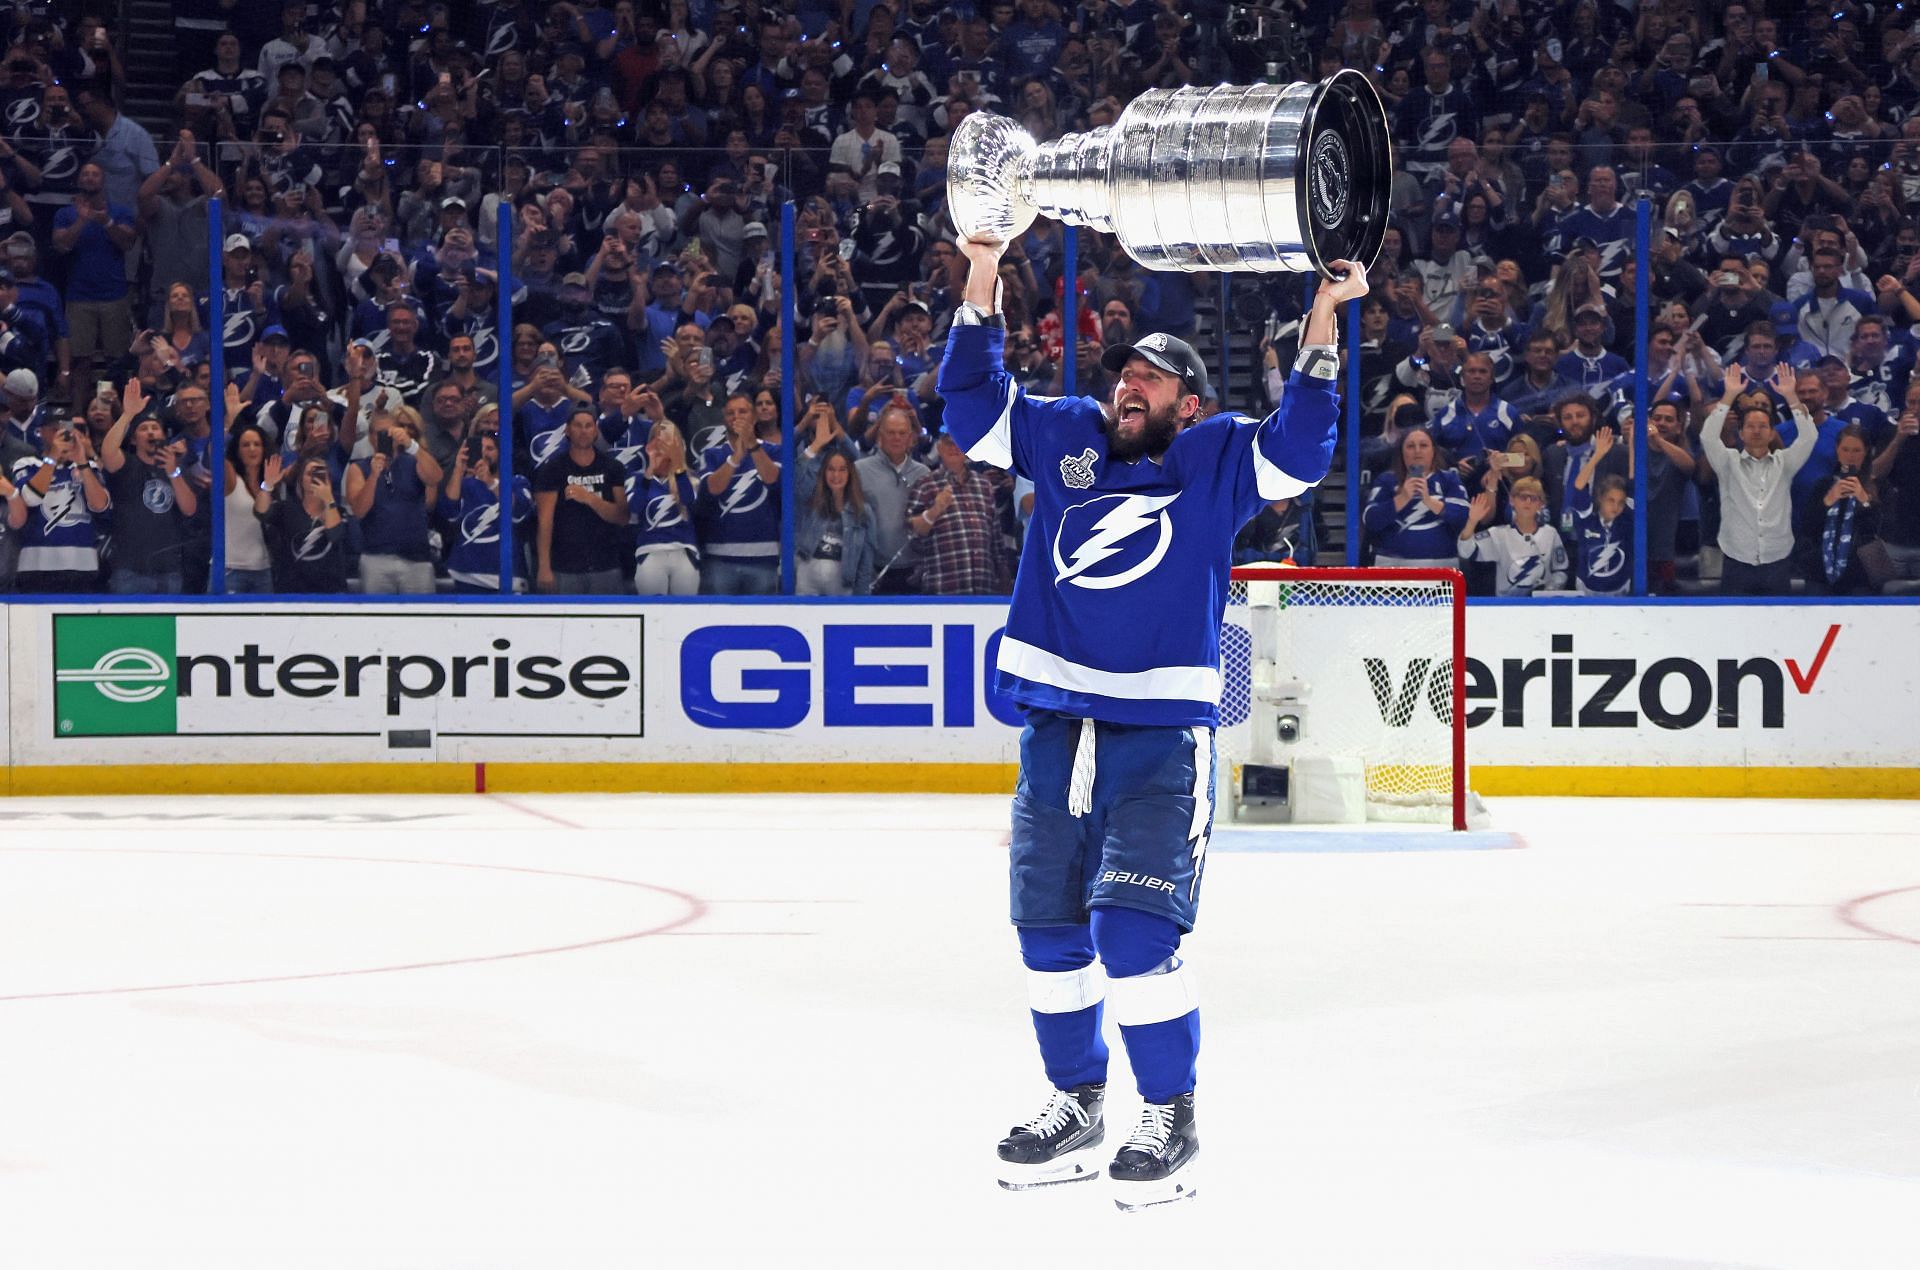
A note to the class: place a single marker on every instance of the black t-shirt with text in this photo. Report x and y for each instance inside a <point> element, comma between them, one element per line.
<point>582,541</point>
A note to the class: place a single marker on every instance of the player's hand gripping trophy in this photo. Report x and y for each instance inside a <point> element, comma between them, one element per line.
<point>1260,179</point>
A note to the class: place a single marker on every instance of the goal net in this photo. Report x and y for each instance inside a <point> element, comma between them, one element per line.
<point>1342,696</point>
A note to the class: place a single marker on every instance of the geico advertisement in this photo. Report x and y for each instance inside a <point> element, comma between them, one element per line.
<point>858,682</point>
<point>350,672</point>
<point>1695,685</point>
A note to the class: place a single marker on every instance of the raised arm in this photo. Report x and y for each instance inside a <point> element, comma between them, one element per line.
<point>1293,447</point>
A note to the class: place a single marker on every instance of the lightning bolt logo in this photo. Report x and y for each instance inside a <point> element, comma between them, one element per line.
<point>748,492</point>
<point>481,525</point>
<point>1131,514</point>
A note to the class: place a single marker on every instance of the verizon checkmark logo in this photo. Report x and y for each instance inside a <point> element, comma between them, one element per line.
<point>1803,681</point>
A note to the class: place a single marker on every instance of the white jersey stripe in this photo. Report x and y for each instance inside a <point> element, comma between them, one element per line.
<point>1163,683</point>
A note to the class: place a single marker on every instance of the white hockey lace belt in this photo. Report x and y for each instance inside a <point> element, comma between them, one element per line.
<point>1080,784</point>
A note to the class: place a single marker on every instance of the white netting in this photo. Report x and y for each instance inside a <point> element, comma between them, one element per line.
<point>1325,673</point>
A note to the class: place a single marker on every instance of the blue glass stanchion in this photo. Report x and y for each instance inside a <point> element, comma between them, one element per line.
<point>1353,434</point>
<point>1070,310</point>
<point>1636,431</point>
<point>503,366</point>
<point>217,391</point>
<point>1226,342</point>
<point>789,315</point>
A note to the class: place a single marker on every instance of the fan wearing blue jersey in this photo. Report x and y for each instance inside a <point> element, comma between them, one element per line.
<point>470,507</point>
<point>1112,648</point>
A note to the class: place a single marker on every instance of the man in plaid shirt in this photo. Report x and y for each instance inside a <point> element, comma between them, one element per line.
<point>954,513</point>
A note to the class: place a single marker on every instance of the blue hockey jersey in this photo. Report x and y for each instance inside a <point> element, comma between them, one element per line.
<point>660,521</point>
<point>1123,579</point>
<point>1602,550</point>
<point>62,533</point>
<point>474,556</point>
<point>742,523</point>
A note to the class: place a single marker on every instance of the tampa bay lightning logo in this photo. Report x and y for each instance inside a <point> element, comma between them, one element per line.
<point>574,340</point>
<point>61,506</point>
<point>481,525</point>
<point>240,325</point>
<point>549,443</point>
<point>23,112</point>
<point>664,512</point>
<point>1110,541</point>
<point>315,545</point>
<point>1606,560</point>
<point>157,496</point>
<point>747,493</point>
<point>63,164</point>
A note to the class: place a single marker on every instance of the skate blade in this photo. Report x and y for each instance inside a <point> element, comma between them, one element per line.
<point>1136,1197</point>
<point>1078,1166</point>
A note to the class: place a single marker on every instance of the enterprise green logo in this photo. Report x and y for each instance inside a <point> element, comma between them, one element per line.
<point>113,675</point>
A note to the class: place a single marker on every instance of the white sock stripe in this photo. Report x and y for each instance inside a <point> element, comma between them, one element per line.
<point>1064,991</point>
<point>1153,998</point>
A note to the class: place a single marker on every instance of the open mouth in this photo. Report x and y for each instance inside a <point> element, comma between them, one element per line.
<point>1132,410</point>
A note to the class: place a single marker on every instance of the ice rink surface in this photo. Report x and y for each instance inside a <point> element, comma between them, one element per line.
<point>559,1032</point>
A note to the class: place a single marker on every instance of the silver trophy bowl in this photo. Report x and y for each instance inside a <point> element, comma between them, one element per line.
<point>1265,178</point>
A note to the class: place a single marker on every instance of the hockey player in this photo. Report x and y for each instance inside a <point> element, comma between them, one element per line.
<point>1112,647</point>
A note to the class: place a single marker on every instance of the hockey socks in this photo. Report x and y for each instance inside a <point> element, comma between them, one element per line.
<point>1064,991</point>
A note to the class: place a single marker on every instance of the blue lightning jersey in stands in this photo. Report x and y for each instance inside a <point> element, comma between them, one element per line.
<point>1123,580</point>
<point>62,533</point>
<point>474,557</point>
<point>743,522</point>
<point>1413,532</point>
<point>662,522</point>
<point>1602,550</point>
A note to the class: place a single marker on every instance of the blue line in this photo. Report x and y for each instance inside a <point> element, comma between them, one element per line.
<point>1355,841</point>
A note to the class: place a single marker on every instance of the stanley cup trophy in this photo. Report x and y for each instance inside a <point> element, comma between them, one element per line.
<point>1262,179</point>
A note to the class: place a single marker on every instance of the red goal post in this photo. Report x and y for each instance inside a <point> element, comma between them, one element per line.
<point>1363,666</point>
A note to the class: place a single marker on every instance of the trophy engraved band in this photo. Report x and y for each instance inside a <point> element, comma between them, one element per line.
<point>1265,178</point>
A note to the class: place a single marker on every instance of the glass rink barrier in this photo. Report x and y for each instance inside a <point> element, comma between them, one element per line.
<point>442,369</point>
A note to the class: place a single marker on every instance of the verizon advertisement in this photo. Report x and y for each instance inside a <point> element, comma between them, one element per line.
<point>1701,686</point>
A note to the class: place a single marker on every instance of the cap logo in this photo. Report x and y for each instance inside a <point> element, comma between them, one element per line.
<point>1156,342</point>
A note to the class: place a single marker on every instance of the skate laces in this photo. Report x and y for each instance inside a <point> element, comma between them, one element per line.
<point>1061,1108</point>
<point>1153,1130</point>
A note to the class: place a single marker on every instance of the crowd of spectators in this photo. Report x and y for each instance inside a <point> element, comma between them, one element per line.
<point>366,150</point>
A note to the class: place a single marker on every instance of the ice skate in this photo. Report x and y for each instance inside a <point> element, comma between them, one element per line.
<point>1156,1165</point>
<point>1058,1145</point>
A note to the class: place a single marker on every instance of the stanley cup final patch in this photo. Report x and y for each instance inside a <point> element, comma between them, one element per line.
<point>1078,472</point>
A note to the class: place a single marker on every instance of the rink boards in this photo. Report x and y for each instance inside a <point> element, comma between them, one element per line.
<point>1731,699</point>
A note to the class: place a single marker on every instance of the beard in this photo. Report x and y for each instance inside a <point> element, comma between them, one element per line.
<point>1157,431</point>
